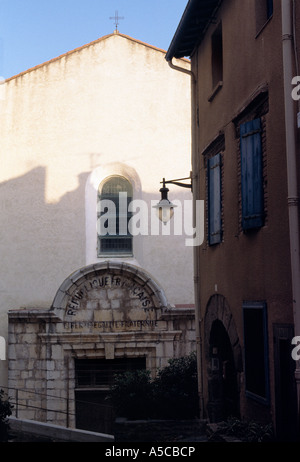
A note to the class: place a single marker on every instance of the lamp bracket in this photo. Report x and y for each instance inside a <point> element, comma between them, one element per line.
<point>178,182</point>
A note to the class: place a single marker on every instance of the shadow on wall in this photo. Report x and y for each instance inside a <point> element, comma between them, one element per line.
<point>39,242</point>
<point>42,243</point>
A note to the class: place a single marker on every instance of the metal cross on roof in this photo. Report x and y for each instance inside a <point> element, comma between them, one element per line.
<point>116,17</point>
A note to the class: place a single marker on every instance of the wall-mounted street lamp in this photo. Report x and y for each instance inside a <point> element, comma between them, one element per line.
<point>165,208</point>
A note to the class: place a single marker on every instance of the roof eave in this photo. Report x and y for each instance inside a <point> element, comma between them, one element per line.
<point>179,31</point>
<point>179,47</point>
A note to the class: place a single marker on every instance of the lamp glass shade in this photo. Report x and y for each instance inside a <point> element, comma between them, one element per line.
<point>165,210</point>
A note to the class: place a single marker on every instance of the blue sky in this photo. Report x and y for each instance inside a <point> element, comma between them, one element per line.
<point>34,31</point>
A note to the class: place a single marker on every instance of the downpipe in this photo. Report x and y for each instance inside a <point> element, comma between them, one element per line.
<point>195,248</point>
<point>291,157</point>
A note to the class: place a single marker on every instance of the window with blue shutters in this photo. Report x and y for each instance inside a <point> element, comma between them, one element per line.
<point>251,175</point>
<point>214,199</point>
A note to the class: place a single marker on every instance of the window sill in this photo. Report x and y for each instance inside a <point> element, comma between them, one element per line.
<point>215,91</point>
<point>115,255</point>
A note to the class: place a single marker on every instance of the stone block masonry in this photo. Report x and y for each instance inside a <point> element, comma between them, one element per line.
<point>43,345</point>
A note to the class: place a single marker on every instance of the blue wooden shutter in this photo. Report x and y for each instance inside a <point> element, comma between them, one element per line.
<point>251,175</point>
<point>214,200</point>
<point>270,8</point>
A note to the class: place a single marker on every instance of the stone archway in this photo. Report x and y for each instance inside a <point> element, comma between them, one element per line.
<point>120,303</point>
<point>121,306</point>
<point>110,313</point>
<point>114,291</point>
<point>223,356</point>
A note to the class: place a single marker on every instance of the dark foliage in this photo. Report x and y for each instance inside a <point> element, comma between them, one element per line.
<point>176,390</point>
<point>131,394</point>
<point>251,432</point>
<point>171,395</point>
<point>5,411</point>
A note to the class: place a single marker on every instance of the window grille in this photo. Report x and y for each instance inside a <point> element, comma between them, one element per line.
<point>115,239</point>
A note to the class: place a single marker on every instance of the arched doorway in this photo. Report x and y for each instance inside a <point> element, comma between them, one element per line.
<point>111,313</point>
<point>223,360</point>
<point>222,382</point>
<point>105,318</point>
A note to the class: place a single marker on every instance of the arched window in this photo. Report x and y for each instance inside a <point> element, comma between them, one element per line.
<point>114,196</point>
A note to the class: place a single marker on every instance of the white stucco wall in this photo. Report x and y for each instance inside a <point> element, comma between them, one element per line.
<point>114,103</point>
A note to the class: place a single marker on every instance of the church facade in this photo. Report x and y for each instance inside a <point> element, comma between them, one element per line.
<point>79,133</point>
<point>104,319</point>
